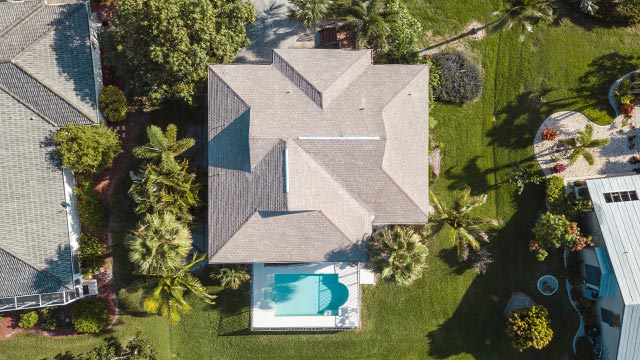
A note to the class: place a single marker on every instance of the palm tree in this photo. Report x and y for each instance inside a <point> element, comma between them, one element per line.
<point>159,245</point>
<point>310,12</point>
<point>370,20</point>
<point>162,189</point>
<point>167,298</point>
<point>399,254</point>
<point>581,144</point>
<point>521,14</point>
<point>162,147</point>
<point>467,230</point>
<point>231,277</point>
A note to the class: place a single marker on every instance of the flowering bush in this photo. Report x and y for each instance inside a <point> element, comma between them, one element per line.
<point>627,110</point>
<point>552,231</point>
<point>530,327</point>
<point>460,79</point>
<point>549,134</point>
<point>558,168</point>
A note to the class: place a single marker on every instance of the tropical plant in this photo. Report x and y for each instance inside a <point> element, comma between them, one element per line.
<point>28,319</point>
<point>167,298</point>
<point>522,14</point>
<point>481,260</point>
<point>91,254</point>
<point>467,230</point>
<point>137,348</point>
<point>163,147</point>
<point>460,79</point>
<point>521,176</point>
<point>588,6</point>
<point>89,316</point>
<point>231,277</point>
<point>549,134</point>
<point>405,33</point>
<point>552,231</point>
<point>161,190</point>
<point>159,245</point>
<point>86,149</point>
<point>581,143</point>
<point>530,327</point>
<point>165,45</point>
<point>113,104</point>
<point>370,21</point>
<point>310,12</point>
<point>399,254</point>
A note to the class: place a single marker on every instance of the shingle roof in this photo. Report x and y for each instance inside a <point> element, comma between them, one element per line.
<point>46,81</point>
<point>322,131</point>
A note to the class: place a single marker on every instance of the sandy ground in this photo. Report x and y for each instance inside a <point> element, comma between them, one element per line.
<point>612,159</point>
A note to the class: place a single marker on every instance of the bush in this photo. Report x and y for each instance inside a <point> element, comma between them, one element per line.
<point>50,318</point>
<point>530,327</point>
<point>552,231</point>
<point>555,190</point>
<point>90,209</point>
<point>91,254</point>
<point>574,268</point>
<point>28,319</point>
<point>460,79</point>
<point>89,316</point>
<point>86,149</point>
<point>113,104</point>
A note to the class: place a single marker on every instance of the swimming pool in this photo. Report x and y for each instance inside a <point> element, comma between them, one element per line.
<point>308,294</point>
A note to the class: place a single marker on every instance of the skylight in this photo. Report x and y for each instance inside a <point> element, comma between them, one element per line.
<point>620,196</point>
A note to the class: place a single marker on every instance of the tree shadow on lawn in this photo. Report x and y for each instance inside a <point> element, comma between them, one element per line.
<point>565,11</point>
<point>477,326</point>
<point>472,175</point>
<point>602,72</point>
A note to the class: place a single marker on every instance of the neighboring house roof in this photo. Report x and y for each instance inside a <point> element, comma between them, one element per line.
<point>323,141</point>
<point>46,81</point>
<point>620,225</point>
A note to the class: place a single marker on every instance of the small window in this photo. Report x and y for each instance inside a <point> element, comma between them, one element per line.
<point>610,318</point>
<point>620,196</point>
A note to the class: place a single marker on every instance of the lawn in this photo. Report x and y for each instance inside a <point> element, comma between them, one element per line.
<point>450,313</point>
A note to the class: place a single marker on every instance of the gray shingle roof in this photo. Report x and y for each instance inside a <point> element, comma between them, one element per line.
<point>265,155</point>
<point>46,81</point>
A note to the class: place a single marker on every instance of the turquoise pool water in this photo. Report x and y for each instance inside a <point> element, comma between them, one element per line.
<point>308,294</point>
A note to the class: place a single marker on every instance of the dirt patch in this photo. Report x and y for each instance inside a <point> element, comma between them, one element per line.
<point>476,31</point>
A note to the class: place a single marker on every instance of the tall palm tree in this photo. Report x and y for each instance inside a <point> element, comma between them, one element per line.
<point>399,254</point>
<point>468,231</point>
<point>231,277</point>
<point>310,12</point>
<point>163,147</point>
<point>160,189</point>
<point>521,14</point>
<point>370,20</point>
<point>581,143</point>
<point>167,298</point>
<point>159,245</point>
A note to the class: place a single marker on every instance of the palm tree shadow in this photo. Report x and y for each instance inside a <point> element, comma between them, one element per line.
<point>469,175</point>
<point>450,257</point>
<point>570,12</point>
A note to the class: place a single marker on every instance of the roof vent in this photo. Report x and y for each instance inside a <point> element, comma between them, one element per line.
<point>289,90</point>
<point>362,104</point>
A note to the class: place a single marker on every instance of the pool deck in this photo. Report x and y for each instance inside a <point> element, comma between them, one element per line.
<point>263,316</point>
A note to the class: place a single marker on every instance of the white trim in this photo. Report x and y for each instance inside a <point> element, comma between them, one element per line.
<point>73,219</point>
<point>338,138</point>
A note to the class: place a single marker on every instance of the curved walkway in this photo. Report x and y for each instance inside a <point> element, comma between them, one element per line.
<point>612,159</point>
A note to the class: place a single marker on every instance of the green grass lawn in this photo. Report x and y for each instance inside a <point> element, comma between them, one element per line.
<point>450,313</point>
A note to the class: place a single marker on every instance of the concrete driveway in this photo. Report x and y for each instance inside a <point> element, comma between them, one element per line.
<point>273,29</point>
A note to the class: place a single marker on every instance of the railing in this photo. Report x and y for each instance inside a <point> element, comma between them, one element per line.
<point>39,300</point>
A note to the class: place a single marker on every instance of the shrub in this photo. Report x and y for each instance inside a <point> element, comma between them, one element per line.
<point>549,134</point>
<point>555,190</point>
<point>89,316</point>
<point>90,209</point>
<point>481,260</point>
<point>529,327</point>
<point>552,231</point>
<point>574,268</point>
<point>50,318</point>
<point>91,254</point>
<point>113,104</point>
<point>86,149</point>
<point>460,79</point>
<point>28,319</point>
<point>584,349</point>
<point>521,176</point>
<point>404,35</point>
<point>558,168</point>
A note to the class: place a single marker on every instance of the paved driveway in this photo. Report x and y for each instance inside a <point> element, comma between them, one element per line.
<point>273,29</point>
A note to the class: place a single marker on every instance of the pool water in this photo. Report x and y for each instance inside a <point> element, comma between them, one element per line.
<point>308,294</point>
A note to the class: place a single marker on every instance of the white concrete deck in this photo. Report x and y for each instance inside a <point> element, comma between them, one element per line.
<point>263,316</point>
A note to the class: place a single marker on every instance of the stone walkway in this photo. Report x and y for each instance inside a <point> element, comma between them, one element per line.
<point>612,159</point>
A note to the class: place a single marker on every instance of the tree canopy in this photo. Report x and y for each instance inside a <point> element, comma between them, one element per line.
<point>86,149</point>
<point>166,45</point>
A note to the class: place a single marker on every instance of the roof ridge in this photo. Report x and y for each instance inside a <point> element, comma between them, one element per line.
<point>29,106</point>
<point>50,275</point>
<point>24,18</point>
<point>56,23</point>
<point>402,190</point>
<point>342,232</point>
<point>275,52</point>
<point>254,214</point>
<point>397,94</point>
<point>56,93</point>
